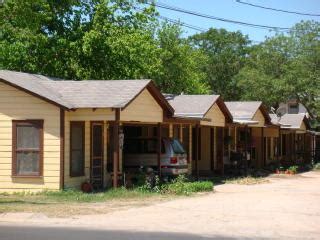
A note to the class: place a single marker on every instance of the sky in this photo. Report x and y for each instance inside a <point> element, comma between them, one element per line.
<point>232,10</point>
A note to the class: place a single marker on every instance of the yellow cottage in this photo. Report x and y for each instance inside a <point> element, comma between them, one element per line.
<point>295,140</point>
<point>56,134</point>
<point>252,136</point>
<point>207,116</point>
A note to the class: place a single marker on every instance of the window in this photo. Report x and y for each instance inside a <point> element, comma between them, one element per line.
<point>77,149</point>
<point>293,108</point>
<point>27,144</point>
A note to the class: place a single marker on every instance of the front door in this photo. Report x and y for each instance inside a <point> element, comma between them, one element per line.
<point>96,173</point>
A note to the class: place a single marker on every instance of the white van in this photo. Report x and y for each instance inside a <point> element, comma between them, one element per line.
<point>140,152</point>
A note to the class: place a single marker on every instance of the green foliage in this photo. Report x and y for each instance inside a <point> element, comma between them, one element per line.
<point>178,186</point>
<point>316,166</point>
<point>181,186</point>
<point>180,68</point>
<point>72,195</point>
<point>284,67</point>
<point>226,52</point>
<point>293,169</point>
<point>122,39</point>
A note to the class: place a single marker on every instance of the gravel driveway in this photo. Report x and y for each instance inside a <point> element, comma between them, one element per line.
<point>284,208</point>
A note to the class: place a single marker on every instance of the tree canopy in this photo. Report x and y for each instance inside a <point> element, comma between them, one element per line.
<point>124,39</point>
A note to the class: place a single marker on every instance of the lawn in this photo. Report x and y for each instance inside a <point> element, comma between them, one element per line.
<point>72,202</point>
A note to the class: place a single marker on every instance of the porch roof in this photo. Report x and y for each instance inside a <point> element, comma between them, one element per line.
<point>195,106</point>
<point>245,110</point>
<point>290,121</point>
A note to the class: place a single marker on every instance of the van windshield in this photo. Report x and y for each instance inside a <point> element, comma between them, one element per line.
<point>177,147</point>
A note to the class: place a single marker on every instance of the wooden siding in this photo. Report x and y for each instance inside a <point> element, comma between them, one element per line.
<point>18,105</point>
<point>144,108</point>
<point>258,116</point>
<point>216,115</point>
<point>86,115</point>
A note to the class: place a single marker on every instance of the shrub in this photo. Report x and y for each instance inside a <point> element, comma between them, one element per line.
<point>316,166</point>
<point>182,186</point>
<point>293,169</point>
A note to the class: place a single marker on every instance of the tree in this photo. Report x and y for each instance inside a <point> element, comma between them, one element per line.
<point>226,52</point>
<point>180,68</point>
<point>78,39</point>
<point>284,67</point>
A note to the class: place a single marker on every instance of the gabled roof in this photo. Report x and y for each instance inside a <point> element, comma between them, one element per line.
<point>82,94</point>
<point>290,121</point>
<point>195,106</point>
<point>245,110</point>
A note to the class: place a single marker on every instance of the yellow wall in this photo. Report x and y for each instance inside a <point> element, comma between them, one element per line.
<point>86,115</point>
<point>143,109</point>
<point>18,105</point>
<point>303,127</point>
<point>258,116</point>
<point>216,116</point>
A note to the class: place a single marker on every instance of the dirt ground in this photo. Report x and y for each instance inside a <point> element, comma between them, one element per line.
<point>286,207</point>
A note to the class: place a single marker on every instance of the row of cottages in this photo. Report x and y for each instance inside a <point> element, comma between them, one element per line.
<point>57,134</point>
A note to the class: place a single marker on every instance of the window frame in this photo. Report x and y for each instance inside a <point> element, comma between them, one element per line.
<point>82,172</point>
<point>36,122</point>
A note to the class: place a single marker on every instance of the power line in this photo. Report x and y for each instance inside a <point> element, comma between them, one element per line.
<point>278,10</point>
<point>194,27</point>
<point>177,9</point>
<point>183,24</point>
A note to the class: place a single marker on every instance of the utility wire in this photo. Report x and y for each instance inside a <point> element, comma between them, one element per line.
<point>177,9</point>
<point>183,24</point>
<point>278,10</point>
<point>193,26</point>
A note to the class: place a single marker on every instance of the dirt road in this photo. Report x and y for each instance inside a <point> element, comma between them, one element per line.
<point>284,208</point>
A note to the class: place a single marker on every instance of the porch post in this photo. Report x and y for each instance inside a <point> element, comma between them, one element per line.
<point>116,148</point>
<point>278,147</point>
<point>235,139</point>
<point>262,149</point>
<point>159,149</point>
<point>180,133</point>
<point>170,130</point>
<point>212,148</point>
<point>305,147</point>
<point>246,149</point>
<point>197,151</point>
<point>190,149</point>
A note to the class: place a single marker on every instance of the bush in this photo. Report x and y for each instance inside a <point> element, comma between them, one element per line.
<point>316,166</point>
<point>293,169</point>
<point>182,186</point>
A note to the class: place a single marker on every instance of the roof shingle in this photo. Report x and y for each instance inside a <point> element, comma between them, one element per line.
<point>77,94</point>
<point>191,105</point>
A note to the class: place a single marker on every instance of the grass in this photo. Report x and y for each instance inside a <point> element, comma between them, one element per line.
<point>187,188</point>
<point>73,202</point>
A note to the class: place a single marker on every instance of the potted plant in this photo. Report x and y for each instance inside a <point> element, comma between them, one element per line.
<point>86,187</point>
<point>293,170</point>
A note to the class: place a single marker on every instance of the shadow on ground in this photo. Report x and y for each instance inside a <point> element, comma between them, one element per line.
<point>63,233</point>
